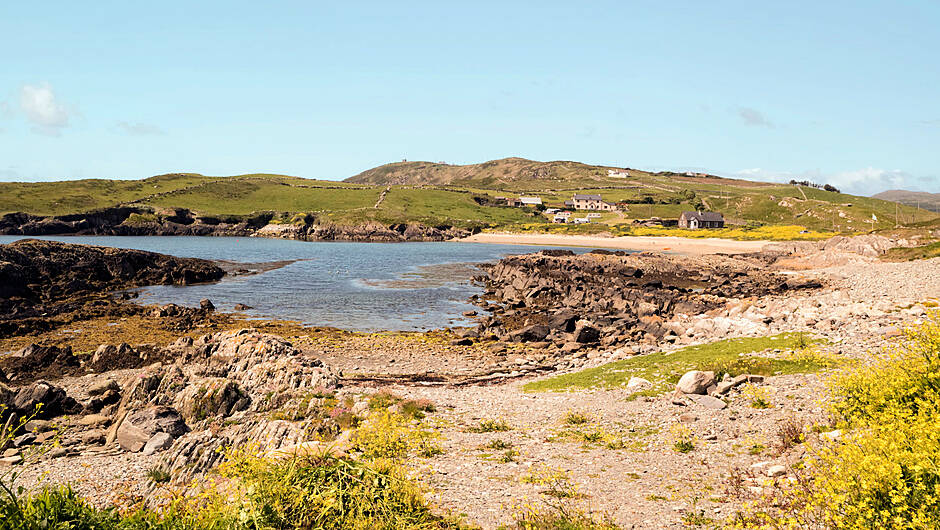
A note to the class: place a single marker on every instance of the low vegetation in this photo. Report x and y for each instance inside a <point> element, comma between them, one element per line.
<point>931,250</point>
<point>731,356</point>
<point>437,194</point>
<point>879,469</point>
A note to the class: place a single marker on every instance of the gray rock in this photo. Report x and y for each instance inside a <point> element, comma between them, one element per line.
<point>776,471</point>
<point>103,386</point>
<point>159,442</point>
<point>11,460</point>
<point>24,440</point>
<point>695,382</point>
<point>140,426</point>
<point>94,437</point>
<point>51,400</point>
<point>708,401</point>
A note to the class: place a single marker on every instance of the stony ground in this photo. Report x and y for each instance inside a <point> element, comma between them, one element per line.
<point>622,460</point>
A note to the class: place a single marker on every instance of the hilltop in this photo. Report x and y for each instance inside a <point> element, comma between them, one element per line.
<point>425,195</point>
<point>921,199</point>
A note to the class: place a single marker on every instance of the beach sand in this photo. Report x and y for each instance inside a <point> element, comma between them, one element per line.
<point>682,245</point>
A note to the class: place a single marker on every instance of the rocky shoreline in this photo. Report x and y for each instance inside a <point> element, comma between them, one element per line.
<point>144,221</point>
<point>116,411</point>
<point>609,299</point>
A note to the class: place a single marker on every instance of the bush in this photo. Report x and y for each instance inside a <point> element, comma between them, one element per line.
<point>883,472</point>
<point>322,491</point>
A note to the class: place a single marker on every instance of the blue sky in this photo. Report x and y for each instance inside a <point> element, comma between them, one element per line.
<point>841,92</point>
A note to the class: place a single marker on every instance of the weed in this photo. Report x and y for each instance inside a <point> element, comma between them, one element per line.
<point>789,434</point>
<point>576,418</point>
<point>158,475</point>
<point>498,444</point>
<point>490,426</point>
<point>758,397</point>
<point>683,441</point>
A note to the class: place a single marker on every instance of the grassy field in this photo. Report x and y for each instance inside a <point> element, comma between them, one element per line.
<point>664,369</point>
<point>441,194</point>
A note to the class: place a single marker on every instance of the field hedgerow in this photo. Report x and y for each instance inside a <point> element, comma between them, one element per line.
<point>884,471</point>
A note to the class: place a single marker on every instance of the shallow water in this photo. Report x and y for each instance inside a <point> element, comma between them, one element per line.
<point>355,286</point>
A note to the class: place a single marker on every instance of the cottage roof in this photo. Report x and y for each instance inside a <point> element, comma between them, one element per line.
<point>704,216</point>
<point>580,197</point>
<point>530,200</point>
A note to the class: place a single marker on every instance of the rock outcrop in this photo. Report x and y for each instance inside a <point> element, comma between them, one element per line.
<point>608,298</point>
<point>42,279</point>
<point>141,220</point>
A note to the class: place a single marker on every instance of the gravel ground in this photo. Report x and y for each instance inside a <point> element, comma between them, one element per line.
<point>646,484</point>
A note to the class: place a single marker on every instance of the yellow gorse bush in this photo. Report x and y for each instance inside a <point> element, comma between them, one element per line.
<point>884,471</point>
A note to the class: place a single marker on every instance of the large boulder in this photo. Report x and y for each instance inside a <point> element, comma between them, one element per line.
<point>140,426</point>
<point>48,399</point>
<point>586,334</point>
<point>534,333</point>
<point>695,382</point>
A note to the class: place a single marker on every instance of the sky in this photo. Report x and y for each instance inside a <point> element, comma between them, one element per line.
<point>841,92</point>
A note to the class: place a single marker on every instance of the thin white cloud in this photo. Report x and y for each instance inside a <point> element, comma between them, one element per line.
<point>43,110</point>
<point>864,181</point>
<point>754,118</point>
<point>139,129</point>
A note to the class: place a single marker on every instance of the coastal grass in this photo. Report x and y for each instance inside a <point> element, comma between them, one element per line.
<point>320,491</point>
<point>928,251</point>
<point>731,356</point>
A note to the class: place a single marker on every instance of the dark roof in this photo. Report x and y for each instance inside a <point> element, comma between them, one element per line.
<point>704,216</point>
<point>580,197</point>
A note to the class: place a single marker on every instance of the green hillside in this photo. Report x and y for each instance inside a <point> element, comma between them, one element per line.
<point>438,194</point>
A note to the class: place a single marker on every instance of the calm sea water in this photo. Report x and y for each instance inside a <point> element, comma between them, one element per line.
<point>355,286</point>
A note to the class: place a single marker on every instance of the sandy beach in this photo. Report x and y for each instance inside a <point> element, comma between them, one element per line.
<point>683,245</point>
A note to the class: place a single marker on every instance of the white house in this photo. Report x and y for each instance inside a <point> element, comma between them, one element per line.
<point>590,202</point>
<point>618,173</point>
<point>530,201</point>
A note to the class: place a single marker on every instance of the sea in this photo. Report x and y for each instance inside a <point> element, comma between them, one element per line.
<point>352,286</point>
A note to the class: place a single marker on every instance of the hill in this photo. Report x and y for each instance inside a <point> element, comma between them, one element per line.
<point>922,199</point>
<point>466,197</point>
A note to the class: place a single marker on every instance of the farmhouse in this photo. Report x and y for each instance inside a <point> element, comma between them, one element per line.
<point>590,202</point>
<point>618,173</point>
<point>696,220</point>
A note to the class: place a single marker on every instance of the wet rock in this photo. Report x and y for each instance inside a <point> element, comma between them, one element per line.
<point>110,357</point>
<point>532,333</point>
<point>37,362</point>
<point>242,307</point>
<point>140,426</point>
<point>206,305</point>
